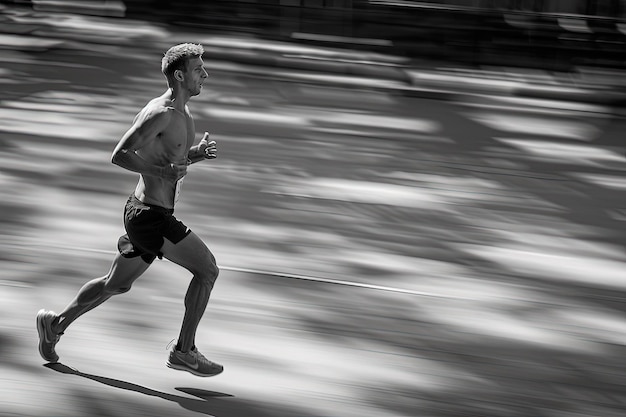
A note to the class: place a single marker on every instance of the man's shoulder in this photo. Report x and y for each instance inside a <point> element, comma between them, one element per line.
<point>155,110</point>
<point>159,106</point>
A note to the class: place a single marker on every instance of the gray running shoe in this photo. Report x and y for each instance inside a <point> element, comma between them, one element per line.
<point>194,362</point>
<point>47,338</point>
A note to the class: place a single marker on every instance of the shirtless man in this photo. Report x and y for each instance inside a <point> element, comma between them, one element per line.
<point>159,147</point>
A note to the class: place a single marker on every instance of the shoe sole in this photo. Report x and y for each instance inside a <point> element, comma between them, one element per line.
<point>190,370</point>
<point>42,336</point>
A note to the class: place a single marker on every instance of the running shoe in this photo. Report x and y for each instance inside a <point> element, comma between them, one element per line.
<point>194,362</point>
<point>47,338</point>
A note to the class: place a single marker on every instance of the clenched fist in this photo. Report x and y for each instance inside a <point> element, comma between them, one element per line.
<point>208,148</point>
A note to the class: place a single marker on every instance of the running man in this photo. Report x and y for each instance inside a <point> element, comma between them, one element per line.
<point>159,147</point>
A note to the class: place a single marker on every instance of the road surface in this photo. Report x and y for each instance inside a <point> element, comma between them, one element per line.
<point>382,253</point>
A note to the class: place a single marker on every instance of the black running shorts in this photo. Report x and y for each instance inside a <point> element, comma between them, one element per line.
<point>146,227</point>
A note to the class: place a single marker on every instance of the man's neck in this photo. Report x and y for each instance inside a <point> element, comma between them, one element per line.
<point>179,99</point>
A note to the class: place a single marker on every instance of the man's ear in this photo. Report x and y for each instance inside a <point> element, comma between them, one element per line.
<point>178,74</point>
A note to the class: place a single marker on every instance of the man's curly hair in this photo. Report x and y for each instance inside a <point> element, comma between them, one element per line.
<point>177,57</point>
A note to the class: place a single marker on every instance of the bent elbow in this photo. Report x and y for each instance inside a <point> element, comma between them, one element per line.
<point>118,157</point>
<point>115,159</point>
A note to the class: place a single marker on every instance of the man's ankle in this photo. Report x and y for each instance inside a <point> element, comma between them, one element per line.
<point>55,326</point>
<point>179,348</point>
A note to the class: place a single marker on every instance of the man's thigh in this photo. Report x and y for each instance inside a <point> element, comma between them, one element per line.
<point>190,253</point>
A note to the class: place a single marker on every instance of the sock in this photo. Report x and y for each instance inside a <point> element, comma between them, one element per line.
<point>178,348</point>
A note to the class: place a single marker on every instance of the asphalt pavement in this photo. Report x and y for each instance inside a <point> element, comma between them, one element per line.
<point>425,244</point>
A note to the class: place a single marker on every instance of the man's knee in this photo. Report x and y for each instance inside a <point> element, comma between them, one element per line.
<point>111,288</point>
<point>213,271</point>
<point>209,272</point>
<point>122,290</point>
<point>116,290</point>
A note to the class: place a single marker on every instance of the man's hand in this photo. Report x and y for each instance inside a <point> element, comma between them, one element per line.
<point>204,150</point>
<point>208,148</point>
<point>173,171</point>
<point>211,150</point>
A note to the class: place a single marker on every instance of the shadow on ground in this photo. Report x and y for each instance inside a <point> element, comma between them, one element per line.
<point>207,402</point>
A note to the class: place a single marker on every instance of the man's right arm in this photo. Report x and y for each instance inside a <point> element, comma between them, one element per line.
<point>129,160</point>
<point>142,133</point>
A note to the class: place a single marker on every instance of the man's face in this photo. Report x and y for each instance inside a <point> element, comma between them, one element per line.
<point>195,75</point>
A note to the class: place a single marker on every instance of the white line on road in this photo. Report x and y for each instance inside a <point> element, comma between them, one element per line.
<point>274,274</point>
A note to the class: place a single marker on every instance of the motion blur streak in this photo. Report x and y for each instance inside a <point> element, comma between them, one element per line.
<point>418,207</point>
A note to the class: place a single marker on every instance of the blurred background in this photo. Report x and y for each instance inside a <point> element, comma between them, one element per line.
<point>418,207</point>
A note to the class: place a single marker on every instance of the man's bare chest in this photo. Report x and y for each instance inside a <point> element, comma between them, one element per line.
<point>177,138</point>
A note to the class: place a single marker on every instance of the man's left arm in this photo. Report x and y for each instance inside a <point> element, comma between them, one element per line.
<point>204,150</point>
